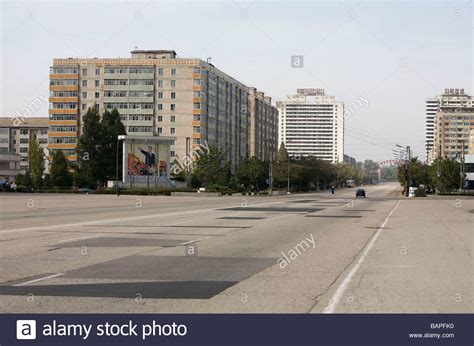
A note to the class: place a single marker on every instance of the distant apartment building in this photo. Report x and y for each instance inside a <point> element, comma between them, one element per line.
<point>454,124</point>
<point>157,94</point>
<point>15,137</point>
<point>450,100</point>
<point>350,160</point>
<point>312,123</point>
<point>471,142</point>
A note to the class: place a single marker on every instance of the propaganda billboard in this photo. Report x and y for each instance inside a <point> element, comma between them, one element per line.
<point>147,158</point>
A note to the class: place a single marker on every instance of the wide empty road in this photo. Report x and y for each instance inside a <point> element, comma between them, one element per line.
<point>302,253</point>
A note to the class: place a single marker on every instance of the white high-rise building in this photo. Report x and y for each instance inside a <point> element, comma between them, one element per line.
<point>312,123</point>
<point>431,107</point>
<point>451,99</point>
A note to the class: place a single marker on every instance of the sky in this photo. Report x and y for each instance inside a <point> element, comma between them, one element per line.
<point>394,54</point>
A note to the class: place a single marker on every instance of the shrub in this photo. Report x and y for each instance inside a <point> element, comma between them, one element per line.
<point>420,192</point>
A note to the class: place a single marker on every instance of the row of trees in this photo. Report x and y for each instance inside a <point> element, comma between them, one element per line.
<point>442,175</point>
<point>304,173</point>
<point>96,156</point>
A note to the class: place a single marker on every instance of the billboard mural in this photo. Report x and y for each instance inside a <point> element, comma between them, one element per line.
<point>147,158</point>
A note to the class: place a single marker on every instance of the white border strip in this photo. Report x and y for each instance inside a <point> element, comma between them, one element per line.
<point>343,286</point>
<point>39,279</point>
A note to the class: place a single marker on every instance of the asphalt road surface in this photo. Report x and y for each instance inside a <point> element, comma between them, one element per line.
<point>305,253</point>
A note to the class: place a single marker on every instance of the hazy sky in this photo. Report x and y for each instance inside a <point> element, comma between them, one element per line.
<point>394,53</point>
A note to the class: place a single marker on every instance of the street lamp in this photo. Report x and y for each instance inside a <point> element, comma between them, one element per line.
<point>270,167</point>
<point>119,138</point>
<point>288,166</point>
<point>407,167</point>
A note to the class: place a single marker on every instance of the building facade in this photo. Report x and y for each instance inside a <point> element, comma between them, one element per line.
<point>448,102</point>
<point>312,123</point>
<point>15,138</point>
<point>156,93</point>
<point>263,129</point>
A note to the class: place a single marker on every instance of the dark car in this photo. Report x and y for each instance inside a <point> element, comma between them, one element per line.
<point>360,193</point>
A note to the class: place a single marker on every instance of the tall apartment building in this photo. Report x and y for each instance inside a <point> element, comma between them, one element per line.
<point>157,93</point>
<point>263,134</point>
<point>453,127</point>
<point>449,100</point>
<point>312,123</point>
<point>16,138</point>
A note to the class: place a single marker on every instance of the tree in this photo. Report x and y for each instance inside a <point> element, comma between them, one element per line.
<point>445,174</point>
<point>60,174</point>
<point>211,168</point>
<point>418,172</point>
<point>282,153</point>
<point>370,169</point>
<point>35,162</point>
<point>251,173</point>
<point>388,173</point>
<point>89,171</point>
<point>315,172</point>
<point>111,128</point>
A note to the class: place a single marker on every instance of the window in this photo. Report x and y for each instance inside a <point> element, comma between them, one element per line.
<point>159,130</point>
<point>173,95</point>
<point>116,82</point>
<point>96,83</point>
<point>160,95</point>
<point>116,70</point>
<point>160,71</point>
<point>117,93</point>
<point>172,118</point>
<point>84,95</point>
<point>141,81</point>
<point>160,106</point>
<point>173,83</point>
<point>172,153</point>
<point>197,70</point>
<point>84,83</point>
<point>64,70</point>
<point>63,82</point>
<point>141,70</point>
<point>160,118</point>
<point>160,84</point>
<point>84,72</point>
<point>84,106</point>
<point>97,71</point>
<point>172,130</point>
<point>173,107</point>
<point>97,94</point>
<point>197,105</point>
<point>173,71</point>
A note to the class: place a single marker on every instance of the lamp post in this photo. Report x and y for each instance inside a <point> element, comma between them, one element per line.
<point>270,167</point>
<point>288,166</point>
<point>119,138</point>
<point>407,168</point>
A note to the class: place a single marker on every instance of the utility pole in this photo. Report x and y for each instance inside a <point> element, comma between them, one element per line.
<point>188,147</point>
<point>409,170</point>
<point>462,167</point>
<point>270,174</point>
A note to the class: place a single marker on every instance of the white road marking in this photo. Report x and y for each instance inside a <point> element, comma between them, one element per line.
<point>194,241</point>
<point>80,238</point>
<point>343,286</point>
<point>39,279</point>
